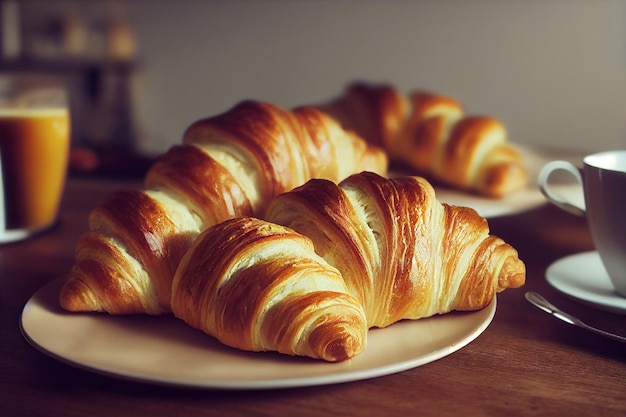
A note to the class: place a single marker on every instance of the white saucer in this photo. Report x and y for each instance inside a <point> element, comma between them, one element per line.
<point>16,235</point>
<point>584,277</point>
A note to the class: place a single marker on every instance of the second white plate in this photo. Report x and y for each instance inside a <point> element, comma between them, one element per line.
<point>517,202</point>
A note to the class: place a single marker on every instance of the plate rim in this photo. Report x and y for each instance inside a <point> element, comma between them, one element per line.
<point>520,201</point>
<point>614,304</point>
<point>261,384</point>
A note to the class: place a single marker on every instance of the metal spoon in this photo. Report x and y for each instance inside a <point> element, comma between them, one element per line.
<point>548,307</point>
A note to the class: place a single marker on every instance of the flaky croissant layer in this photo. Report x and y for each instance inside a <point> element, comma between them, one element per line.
<point>402,254</point>
<point>434,137</point>
<point>330,261</point>
<point>258,286</point>
<point>229,165</point>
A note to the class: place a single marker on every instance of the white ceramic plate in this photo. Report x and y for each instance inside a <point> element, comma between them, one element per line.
<point>525,199</point>
<point>583,276</point>
<point>518,202</point>
<point>164,350</point>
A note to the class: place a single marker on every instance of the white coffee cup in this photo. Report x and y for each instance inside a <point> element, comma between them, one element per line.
<point>603,179</point>
<point>34,147</point>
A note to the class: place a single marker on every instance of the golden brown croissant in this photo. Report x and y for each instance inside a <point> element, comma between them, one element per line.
<point>433,136</point>
<point>258,286</point>
<point>229,165</point>
<point>402,254</point>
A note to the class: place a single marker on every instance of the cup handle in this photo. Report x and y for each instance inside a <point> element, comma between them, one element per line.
<point>544,186</point>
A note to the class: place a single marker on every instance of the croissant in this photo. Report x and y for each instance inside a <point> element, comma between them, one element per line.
<point>402,254</point>
<point>432,135</point>
<point>228,165</point>
<point>258,286</point>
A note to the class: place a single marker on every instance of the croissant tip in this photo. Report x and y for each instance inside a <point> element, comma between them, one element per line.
<point>513,274</point>
<point>77,297</point>
<point>343,345</point>
<point>341,351</point>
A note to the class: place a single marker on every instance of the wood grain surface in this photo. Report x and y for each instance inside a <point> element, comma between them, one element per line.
<point>525,363</point>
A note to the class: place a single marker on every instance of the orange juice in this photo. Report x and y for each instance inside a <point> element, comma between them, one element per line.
<point>34,148</point>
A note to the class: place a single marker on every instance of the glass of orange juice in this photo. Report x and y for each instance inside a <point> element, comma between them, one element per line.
<point>34,148</point>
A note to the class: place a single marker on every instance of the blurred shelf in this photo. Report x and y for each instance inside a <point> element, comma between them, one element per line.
<point>100,90</point>
<point>66,64</point>
<point>85,162</point>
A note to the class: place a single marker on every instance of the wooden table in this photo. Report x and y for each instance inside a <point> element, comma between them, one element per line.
<point>525,363</point>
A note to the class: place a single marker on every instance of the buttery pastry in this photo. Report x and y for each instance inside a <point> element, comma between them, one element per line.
<point>258,286</point>
<point>403,254</point>
<point>433,136</point>
<point>229,165</point>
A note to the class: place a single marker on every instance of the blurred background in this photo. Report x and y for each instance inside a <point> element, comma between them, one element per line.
<point>141,71</point>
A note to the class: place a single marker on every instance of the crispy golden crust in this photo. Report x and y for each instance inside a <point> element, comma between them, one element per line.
<point>375,112</point>
<point>432,134</point>
<point>229,165</point>
<point>131,233</point>
<point>87,273</point>
<point>426,128</point>
<point>258,286</point>
<point>209,189</point>
<point>402,253</point>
